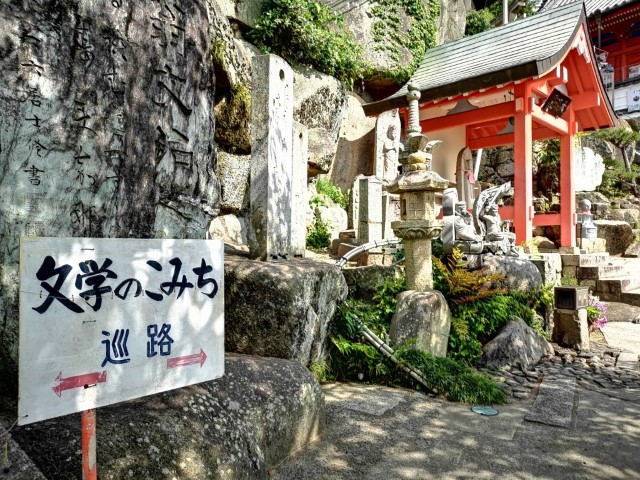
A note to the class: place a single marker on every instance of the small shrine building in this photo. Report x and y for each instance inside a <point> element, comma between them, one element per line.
<point>533,79</point>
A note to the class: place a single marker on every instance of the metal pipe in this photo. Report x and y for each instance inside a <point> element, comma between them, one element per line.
<point>364,247</point>
<point>505,12</point>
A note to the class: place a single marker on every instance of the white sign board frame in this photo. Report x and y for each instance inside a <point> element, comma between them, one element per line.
<point>108,320</point>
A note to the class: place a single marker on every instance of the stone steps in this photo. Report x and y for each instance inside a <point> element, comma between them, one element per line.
<point>600,271</point>
<point>618,285</point>
<point>631,297</point>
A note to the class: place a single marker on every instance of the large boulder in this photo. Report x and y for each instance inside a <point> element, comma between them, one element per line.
<point>363,282</point>
<point>516,344</point>
<point>107,128</point>
<point>320,105</point>
<point>231,230</point>
<point>281,308</point>
<point>629,215</point>
<point>519,273</point>
<point>423,317</point>
<point>334,217</point>
<point>260,412</point>
<point>452,20</point>
<point>355,148</point>
<point>618,234</point>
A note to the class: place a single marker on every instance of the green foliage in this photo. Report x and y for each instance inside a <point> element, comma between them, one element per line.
<point>454,380</point>
<point>568,281</point>
<point>622,138</point>
<point>617,181</point>
<point>420,36</point>
<point>310,33</point>
<point>320,370</point>
<point>549,152</point>
<point>479,307</point>
<point>460,285</point>
<point>484,19</point>
<point>478,21</point>
<point>351,357</point>
<point>327,188</point>
<point>319,236</point>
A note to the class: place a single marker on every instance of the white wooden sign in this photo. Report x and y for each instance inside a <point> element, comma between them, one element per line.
<point>108,320</point>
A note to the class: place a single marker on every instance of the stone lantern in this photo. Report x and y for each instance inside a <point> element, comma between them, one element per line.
<point>417,187</point>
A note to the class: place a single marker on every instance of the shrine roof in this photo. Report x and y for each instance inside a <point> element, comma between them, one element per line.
<point>523,49</point>
<point>592,6</point>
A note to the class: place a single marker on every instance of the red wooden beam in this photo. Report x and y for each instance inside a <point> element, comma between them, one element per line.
<point>486,114</point>
<point>547,120</point>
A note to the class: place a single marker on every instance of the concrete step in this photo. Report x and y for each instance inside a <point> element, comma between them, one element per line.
<point>600,271</point>
<point>585,259</point>
<point>617,285</point>
<point>631,297</point>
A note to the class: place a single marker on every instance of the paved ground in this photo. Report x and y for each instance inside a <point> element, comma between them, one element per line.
<point>579,418</point>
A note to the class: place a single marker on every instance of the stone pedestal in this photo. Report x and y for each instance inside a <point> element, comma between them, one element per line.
<point>593,245</point>
<point>571,329</point>
<point>425,317</point>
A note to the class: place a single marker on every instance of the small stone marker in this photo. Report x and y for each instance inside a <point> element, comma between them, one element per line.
<point>554,403</point>
<point>271,158</point>
<point>370,211</point>
<point>299,200</point>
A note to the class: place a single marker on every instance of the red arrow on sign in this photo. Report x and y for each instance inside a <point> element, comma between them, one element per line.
<point>78,381</point>
<point>187,360</point>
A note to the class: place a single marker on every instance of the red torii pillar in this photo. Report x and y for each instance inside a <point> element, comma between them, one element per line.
<point>567,185</point>
<point>523,156</point>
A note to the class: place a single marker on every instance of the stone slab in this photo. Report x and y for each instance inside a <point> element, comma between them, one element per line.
<point>554,403</point>
<point>628,360</point>
<point>236,427</point>
<point>373,400</point>
<point>625,336</point>
<point>17,465</point>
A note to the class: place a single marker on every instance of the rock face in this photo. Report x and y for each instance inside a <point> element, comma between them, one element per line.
<point>106,127</point>
<point>355,148</point>
<point>516,344</point>
<point>520,274</point>
<point>425,317</point>
<point>260,412</point>
<point>280,309</point>
<point>363,281</point>
<point>320,105</point>
<point>233,172</point>
<point>618,234</point>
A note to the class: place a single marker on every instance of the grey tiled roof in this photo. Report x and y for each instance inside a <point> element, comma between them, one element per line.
<point>515,51</point>
<point>592,6</point>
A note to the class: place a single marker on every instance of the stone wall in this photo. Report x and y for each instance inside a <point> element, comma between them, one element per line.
<point>106,127</point>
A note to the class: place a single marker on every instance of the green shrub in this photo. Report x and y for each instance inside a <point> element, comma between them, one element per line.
<point>479,307</point>
<point>319,237</point>
<point>325,187</point>
<point>420,32</point>
<point>310,33</point>
<point>617,181</point>
<point>478,21</point>
<point>351,357</point>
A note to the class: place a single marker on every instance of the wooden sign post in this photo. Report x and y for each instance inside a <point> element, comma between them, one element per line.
<point>108,320</point>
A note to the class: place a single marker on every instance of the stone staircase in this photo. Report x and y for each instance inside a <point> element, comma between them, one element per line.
<point>613,279</point>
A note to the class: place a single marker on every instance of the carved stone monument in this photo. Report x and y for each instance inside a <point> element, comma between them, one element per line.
<point>483,232</point>
<point>106,127</point>
<point>388,146</point>
<point>271,158</point>
<point>417,188</point>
